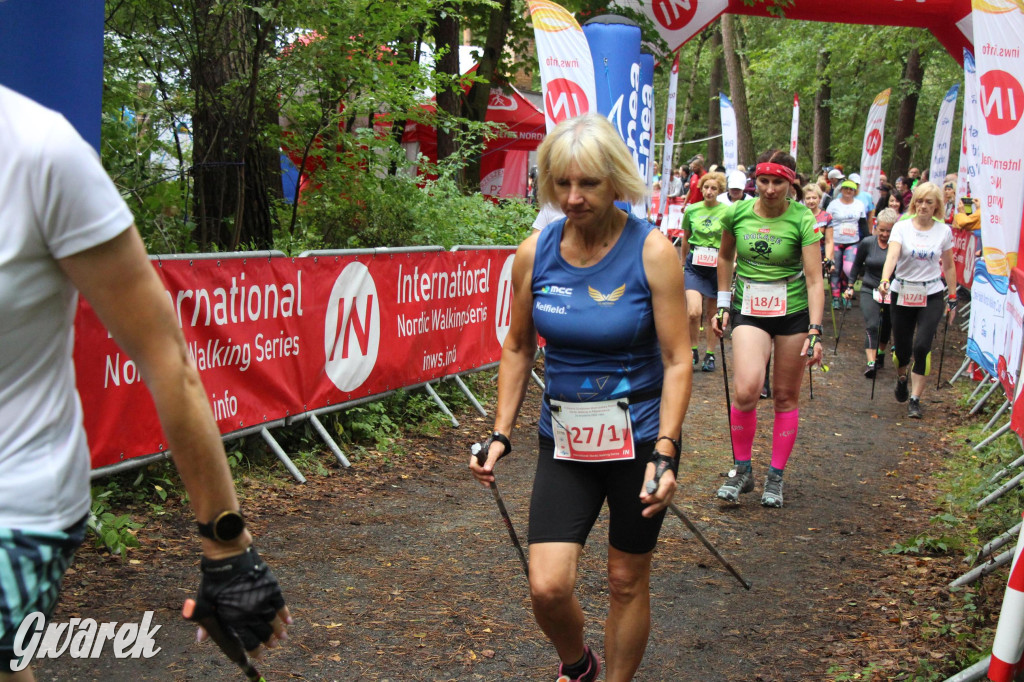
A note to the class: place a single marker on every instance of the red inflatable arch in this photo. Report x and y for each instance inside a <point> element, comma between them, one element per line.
<point>948,20</point>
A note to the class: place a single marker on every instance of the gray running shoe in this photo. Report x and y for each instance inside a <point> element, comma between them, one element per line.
<point>739,482</point>
<point>914,409</point>
<point>772,495</point>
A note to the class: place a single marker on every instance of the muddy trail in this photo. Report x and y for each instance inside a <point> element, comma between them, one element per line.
<point>402,570</point>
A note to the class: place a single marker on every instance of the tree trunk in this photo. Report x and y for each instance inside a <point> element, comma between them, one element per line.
<point>913,75</point>
<point>714,87</point>
<point>449,99</point>
<point>235,173</point>
<point>737,89</point>
<point>694,69</point>
<point>822,150</point>
<point>480,94</point>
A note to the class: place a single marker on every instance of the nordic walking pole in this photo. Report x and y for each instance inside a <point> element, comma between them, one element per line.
<point>480,453</point>
<point>725,379</point>
<point>652,486</point>
<point>831,297</point>
<point>228,643</point>
<point>942,353</point>
<point>842,319</point>
<point>878,343</point>
<point>810,380</point>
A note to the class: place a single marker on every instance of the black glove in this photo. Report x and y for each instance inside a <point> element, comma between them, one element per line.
<point>243,594</point>
<point>951,304</point>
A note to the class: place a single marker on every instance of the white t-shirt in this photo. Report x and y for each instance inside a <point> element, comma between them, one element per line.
<point>921,254</point>
<point>55,201</point>
<point>845,229</point>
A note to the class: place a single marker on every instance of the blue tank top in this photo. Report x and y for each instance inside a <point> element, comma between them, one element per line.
<point>598,324</point>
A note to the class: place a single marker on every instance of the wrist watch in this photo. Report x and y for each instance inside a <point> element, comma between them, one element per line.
<point>225,527</point>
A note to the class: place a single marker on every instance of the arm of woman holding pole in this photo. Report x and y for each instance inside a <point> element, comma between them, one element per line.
<point>889,268</point>
<point>726,258</point>
<point>518,355</point>
<point>949,272</point>
<point>811,257</point>
<point>668,300</point>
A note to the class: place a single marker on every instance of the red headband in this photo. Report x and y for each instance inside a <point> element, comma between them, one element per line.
<point>775,169</point>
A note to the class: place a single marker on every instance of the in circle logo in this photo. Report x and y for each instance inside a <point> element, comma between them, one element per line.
<point>1002,101</point>
<point>503,301</point>
<point>352,328</point>
<point>674,14</point>
<point>874,142</point>
<point>565,99</point>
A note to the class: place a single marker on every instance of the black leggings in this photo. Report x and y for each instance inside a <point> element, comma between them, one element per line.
<point>872,309</point>
<point>926,321</point>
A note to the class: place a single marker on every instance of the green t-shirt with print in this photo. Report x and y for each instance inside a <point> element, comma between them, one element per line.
<point>704,224</point>
<point>770,249</point>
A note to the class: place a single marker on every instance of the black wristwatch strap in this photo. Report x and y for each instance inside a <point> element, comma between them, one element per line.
<point>675,443</point>
<point>224,527</point>
<point>815,328</point>
<point>503,439</point>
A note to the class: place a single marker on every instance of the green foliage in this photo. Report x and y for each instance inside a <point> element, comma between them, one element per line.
<point>924,544</point>
<point>781,57</point>
<point>113,531</point>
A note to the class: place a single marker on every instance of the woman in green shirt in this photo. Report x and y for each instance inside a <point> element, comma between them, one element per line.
<point>777,307</point>
<point>702,232</point>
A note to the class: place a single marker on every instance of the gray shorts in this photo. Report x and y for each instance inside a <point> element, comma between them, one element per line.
<point>32,565</point>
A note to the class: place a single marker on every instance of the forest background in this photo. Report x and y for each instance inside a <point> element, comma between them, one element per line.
<point>227,73</point>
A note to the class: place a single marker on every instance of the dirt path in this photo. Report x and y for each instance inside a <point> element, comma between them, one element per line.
<point>405,572</point>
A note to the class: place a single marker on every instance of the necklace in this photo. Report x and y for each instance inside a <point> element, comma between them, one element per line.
<point>589,257</point>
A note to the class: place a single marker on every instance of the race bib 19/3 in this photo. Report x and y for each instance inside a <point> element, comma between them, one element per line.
<point>592,432</point>
<point>913,295</point>
<point>764,299</point>
<point>706,256</point>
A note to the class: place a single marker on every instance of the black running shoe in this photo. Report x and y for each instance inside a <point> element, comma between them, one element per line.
<point>902,392</point>
<point>870,371</point>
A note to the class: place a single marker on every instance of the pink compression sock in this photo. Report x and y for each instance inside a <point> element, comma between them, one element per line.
<point>784,437</point>
<point>744,425</point>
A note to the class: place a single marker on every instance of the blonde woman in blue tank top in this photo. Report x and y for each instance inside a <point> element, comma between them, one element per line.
<point>605,290</point>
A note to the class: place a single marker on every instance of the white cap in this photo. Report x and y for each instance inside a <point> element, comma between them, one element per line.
<point>855,178</point>
<point>835,174</point>
<point>737,180</point>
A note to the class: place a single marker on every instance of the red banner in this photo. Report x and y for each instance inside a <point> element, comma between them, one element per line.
<point>274,337</point>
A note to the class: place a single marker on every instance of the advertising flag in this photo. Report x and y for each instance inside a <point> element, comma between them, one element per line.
<point>566,68</point>
<point>730,148</point>
<point>670,131</point>
<point>999,55</point>
<point>943,133</point>
<point>970,153</point>
<point>794,131</point>
<point>677,20</point>
<point>871,152</point>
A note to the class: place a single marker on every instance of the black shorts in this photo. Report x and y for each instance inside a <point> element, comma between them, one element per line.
<point>786,325</point>
<point>701,278</point>
<point>568,496</point>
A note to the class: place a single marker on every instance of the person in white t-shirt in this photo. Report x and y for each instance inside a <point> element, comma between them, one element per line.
<point>849,221</point>
<point>736,182</point>
<point>920,257</point>
<point>66,229</point>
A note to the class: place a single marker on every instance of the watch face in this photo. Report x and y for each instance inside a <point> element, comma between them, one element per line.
<point>228,526</point>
